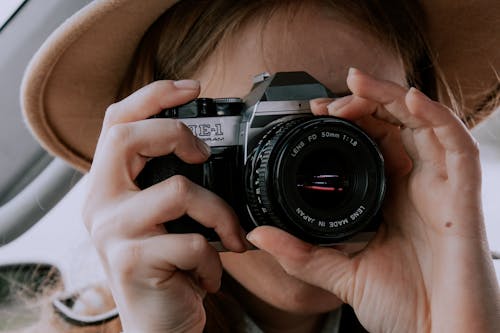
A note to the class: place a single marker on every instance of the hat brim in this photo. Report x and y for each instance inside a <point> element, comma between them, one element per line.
<point>77,72</point>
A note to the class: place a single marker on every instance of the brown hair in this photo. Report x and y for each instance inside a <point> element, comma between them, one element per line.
<point>195,28</point>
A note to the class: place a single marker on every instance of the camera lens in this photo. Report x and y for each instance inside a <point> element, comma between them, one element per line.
<point>320,178</point>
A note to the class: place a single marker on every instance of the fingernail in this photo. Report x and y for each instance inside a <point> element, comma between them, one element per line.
<point>353,71</point>
<point>203,147</point>
<point>187,84</point>
<point>320,102</point>
<point>250,237</point>
<point>248,245</point>
<point>319,105</point>
<point>339,103</point>
<point>419,93</point>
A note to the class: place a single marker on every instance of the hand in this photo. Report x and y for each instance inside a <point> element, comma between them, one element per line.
<point>158,280</point>
<point>428,268</point>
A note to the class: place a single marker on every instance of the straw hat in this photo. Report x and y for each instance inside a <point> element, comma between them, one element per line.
<point>75,74</point>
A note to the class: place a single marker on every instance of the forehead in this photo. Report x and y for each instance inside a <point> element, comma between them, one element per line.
<point>318,42</point>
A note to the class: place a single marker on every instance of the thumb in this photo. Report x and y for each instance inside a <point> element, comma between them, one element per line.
<point>324,267</point>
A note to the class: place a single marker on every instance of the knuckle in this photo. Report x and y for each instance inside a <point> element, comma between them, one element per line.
<point>475,148</point>
<point>88,214</point>
<point>470,150</point>
<point>103,225</point>
<point>111,115</point>
<point>229,226</point>
<point>124,259</point>
<point>300,263</point>
<point>160,85</point>
<point>198,245</point>
<point>181,186</point>
<point>99,230</point>
<point>119,134</point>
<point>181,128</point>
<point>291,268</point>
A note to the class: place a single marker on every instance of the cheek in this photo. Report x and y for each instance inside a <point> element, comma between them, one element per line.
<point>260,274</point>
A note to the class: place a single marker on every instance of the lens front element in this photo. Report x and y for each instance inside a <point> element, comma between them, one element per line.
<point>320,178</point>
<point>323,180</point>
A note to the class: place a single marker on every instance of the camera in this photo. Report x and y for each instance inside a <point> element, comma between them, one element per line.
<point>320,178</point>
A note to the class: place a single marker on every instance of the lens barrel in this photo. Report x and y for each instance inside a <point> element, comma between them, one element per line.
<point>319,178</point>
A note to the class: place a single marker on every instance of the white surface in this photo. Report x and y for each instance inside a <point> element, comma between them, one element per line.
<point>488,136</point>
<point>7,8</point>
<point>60,238</point>
<point>491,202</point>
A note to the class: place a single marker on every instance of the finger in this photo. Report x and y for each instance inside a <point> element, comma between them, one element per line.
<point>318,106</point>
<point>431,154</point>
<point>460,150</point>
<point>189,252</point>
<point>128,146</point>
<point>354,107</point>
<point>388,138</point>
<point>349,107</point>
<point>391,96</point>
<point>449,129</point>
<point>150,100</point>
<point>408,140</point>
<point>377,122</point>
<point>178,196</point>
<point>320,266</point>
<point>422,145</point>
<point>156,259</point>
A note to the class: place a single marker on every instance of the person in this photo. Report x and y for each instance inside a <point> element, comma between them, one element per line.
<point>90,92</point>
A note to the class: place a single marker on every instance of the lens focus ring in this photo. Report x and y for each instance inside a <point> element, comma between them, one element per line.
<point>260,196</point>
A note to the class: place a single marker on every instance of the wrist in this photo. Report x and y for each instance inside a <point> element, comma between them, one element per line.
<point>465,296</point>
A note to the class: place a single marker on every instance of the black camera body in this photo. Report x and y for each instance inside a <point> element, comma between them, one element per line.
<point>319,178</point>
